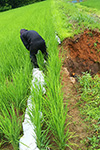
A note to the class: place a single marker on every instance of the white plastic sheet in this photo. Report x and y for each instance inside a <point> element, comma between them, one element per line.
<point>57,37</point>
<point>28,140</point>
<point>38,79</point>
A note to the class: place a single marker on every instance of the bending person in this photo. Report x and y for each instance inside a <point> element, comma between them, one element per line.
<point>33,42</point>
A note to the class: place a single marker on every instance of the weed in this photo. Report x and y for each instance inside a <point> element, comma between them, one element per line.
<point>91,96</point>
<point>96,41</point>
<point>90,34</point>
<point>92,4</point>
<point>95,44</point>
<point>94,142</point>
<point>98,50</point>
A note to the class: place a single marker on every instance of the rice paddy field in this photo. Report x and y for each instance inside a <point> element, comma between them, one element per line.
<point>16,73</point>
<point>54,130</point>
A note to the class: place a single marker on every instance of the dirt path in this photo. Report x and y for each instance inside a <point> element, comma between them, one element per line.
<point>77,126</point>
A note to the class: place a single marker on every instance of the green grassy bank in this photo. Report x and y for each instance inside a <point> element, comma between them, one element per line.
<point>71,19</point>
<point>92,4</point>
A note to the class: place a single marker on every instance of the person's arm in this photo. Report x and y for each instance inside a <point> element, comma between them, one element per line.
<point>24,41</point>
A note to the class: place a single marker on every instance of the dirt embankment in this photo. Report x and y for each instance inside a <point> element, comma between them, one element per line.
<point>80,54</point>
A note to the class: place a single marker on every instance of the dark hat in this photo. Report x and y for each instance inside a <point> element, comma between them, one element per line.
<point>22,31</point>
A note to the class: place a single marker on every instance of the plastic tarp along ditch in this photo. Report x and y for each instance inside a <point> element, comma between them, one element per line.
<point>28,140</point>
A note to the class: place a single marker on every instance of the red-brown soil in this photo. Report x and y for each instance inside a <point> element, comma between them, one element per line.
<point>80,54</point>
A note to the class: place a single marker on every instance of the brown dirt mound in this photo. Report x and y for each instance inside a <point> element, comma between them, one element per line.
<point>83,53</point>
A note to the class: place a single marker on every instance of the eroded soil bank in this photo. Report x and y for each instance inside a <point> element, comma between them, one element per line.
<point>79,54</point>
<point>82,53</point>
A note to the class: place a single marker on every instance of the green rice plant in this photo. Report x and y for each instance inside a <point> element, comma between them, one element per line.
<point>10,125</point>
<point>40,61</point>
<point>53,107</point>
<point>16,90</point>
<point>16,70</point>
<point>55,116</point>
<point>37,118</point>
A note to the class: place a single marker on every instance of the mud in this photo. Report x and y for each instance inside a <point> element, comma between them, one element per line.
<point>82,53</point>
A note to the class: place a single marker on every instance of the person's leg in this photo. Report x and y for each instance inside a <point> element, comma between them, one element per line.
<point>34,61</point>
<point>43,50</point>
<point>33,52</point>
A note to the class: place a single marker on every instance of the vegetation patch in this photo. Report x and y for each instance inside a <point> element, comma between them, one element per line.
<point>92,3</point>
<point>71,19</point>
<point>89,106</point>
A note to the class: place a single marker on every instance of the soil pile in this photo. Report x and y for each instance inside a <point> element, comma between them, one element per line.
<point>82,53</point>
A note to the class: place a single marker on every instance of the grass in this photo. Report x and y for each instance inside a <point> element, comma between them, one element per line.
<point>53,103</point>
<point>90,101</point>
<point>92,3</point>
<point>10,124</point>
<point>71,19</point>
<point>16,76</point>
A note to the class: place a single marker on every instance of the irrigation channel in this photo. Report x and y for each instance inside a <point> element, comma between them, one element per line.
<point>28,140</point>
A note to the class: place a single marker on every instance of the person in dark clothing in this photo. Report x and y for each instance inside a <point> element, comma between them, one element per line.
<point>33,42</point>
